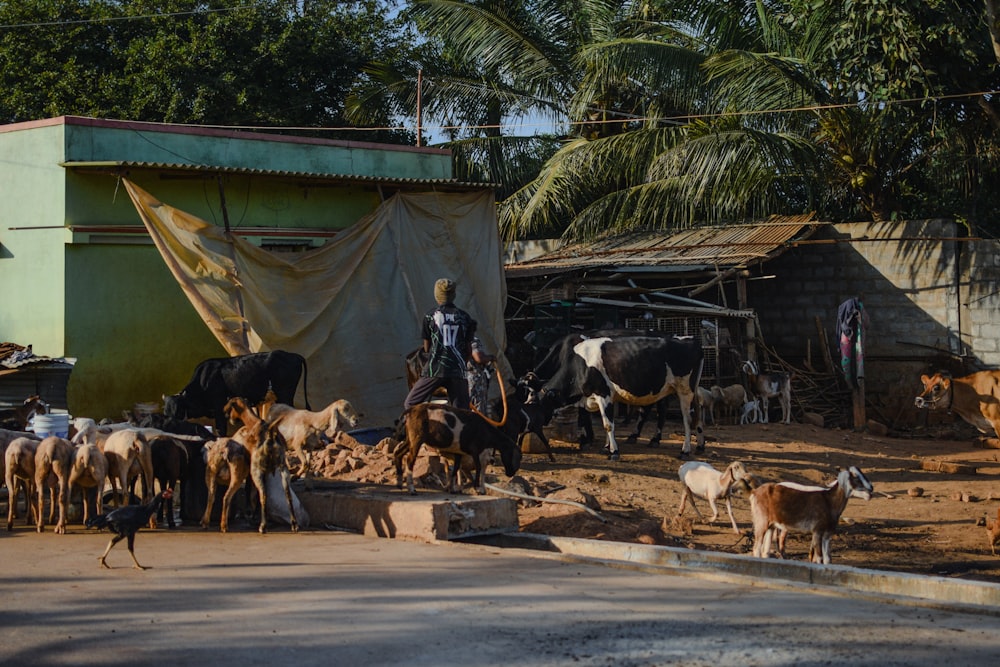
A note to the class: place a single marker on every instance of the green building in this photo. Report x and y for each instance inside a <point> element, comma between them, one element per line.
<point>82,278</point>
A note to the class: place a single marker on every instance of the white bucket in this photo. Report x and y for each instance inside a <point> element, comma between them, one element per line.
<point>53,423</point>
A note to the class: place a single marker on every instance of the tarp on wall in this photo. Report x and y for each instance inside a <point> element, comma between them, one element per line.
<point>352,307</point>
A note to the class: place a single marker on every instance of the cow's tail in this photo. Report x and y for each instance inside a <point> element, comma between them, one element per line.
<point>305,383</point>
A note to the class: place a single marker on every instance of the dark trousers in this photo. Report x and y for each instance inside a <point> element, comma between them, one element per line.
<point>424,388</point>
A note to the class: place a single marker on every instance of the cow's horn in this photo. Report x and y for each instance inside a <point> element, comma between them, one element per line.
<point>503,399</point>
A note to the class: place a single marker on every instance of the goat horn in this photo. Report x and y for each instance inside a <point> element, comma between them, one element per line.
<point>503,399</point>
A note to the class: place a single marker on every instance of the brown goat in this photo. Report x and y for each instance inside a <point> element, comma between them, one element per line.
<point>267,455</point>
<point>227,462</point>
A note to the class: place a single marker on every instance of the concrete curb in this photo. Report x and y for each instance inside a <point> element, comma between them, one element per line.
<point>900,588</point>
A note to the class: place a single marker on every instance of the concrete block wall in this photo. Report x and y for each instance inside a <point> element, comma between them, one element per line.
<point>930,298</point>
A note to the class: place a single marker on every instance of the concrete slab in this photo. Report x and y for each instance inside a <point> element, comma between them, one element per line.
<point>428,516</point>
<point>898,587</point>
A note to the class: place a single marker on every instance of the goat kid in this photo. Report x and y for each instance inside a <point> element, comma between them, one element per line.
<point>787,506</point>
<point>453,432</point>
<point>702,480</point>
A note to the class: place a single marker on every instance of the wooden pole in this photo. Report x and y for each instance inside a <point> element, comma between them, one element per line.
<point>420,83</point>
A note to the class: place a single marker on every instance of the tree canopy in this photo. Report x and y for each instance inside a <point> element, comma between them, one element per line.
<point>274,63</point>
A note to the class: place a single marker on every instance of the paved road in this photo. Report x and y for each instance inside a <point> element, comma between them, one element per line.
<point>327,598</point>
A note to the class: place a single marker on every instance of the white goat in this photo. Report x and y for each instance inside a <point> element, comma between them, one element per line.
<point>702,480</point>
<point>770,385</point>
<point>122,449</point>
<point>90,470</point>
<point>53,456</point>
<point>787,506</point>
<point>305,430</point>
<point>752,413</point>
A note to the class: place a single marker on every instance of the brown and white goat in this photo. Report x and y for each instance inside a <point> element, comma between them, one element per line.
<point>305,430</point>
<point>19,471</point>
<point>766,386</point>
<point>89,471</point>
<point>227,462</point>
<point>787,506</point>
<point>267,454</point>
<point>53,456</point>
<point>702,480</point>
<point>453,432</point>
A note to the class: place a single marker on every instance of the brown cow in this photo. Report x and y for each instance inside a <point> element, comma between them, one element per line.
<point>975,398</point>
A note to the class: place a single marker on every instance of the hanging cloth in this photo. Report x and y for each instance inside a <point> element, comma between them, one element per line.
<point>851,323</point>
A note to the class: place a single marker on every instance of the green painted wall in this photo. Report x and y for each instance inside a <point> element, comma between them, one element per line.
<point>109,300</point>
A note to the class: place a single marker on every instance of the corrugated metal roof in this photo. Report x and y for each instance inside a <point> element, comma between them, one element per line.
<point>702,248</point>
<point>114,165</point>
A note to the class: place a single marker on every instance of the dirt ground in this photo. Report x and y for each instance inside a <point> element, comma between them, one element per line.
<point>919,521</point>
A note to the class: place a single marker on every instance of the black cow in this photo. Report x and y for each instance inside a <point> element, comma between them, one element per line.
<point>248,376</point>
<point>637,370</point>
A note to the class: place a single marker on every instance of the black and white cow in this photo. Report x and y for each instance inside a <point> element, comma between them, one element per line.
<point>247,376</point>
<point>637,370</point>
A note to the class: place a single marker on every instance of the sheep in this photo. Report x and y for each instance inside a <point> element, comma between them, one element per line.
<point>731,399</point>
<point>707,399</point>
<point>455,432</point>
<point>702,480</point>
<point>122,449</point>
<point>227,462</point>
<point>19,469</point>
<point>787,506</point>
<point>771,385</point>
<point>53,456</point>
<point>89,471</point>
<point>305,430</point>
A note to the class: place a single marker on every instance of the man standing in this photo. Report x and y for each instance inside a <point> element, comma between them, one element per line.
<point>447,334</point>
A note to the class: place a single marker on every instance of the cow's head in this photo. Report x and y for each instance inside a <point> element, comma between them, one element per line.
<point>175,406</point>
<point>936,393</point>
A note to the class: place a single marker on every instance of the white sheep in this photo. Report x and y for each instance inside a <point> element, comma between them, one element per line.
<point>787,506</point>
<point>702,480</point>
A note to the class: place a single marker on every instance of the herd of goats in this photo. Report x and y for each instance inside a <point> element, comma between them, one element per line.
<point>159,450</point>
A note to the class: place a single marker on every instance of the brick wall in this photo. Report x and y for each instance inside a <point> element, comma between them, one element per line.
<point>931,300</point>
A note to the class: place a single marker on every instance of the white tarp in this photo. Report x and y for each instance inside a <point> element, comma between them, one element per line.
<point>352,307</point>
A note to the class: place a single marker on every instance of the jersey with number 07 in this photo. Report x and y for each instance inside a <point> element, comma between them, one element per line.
<point>450,330</point>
